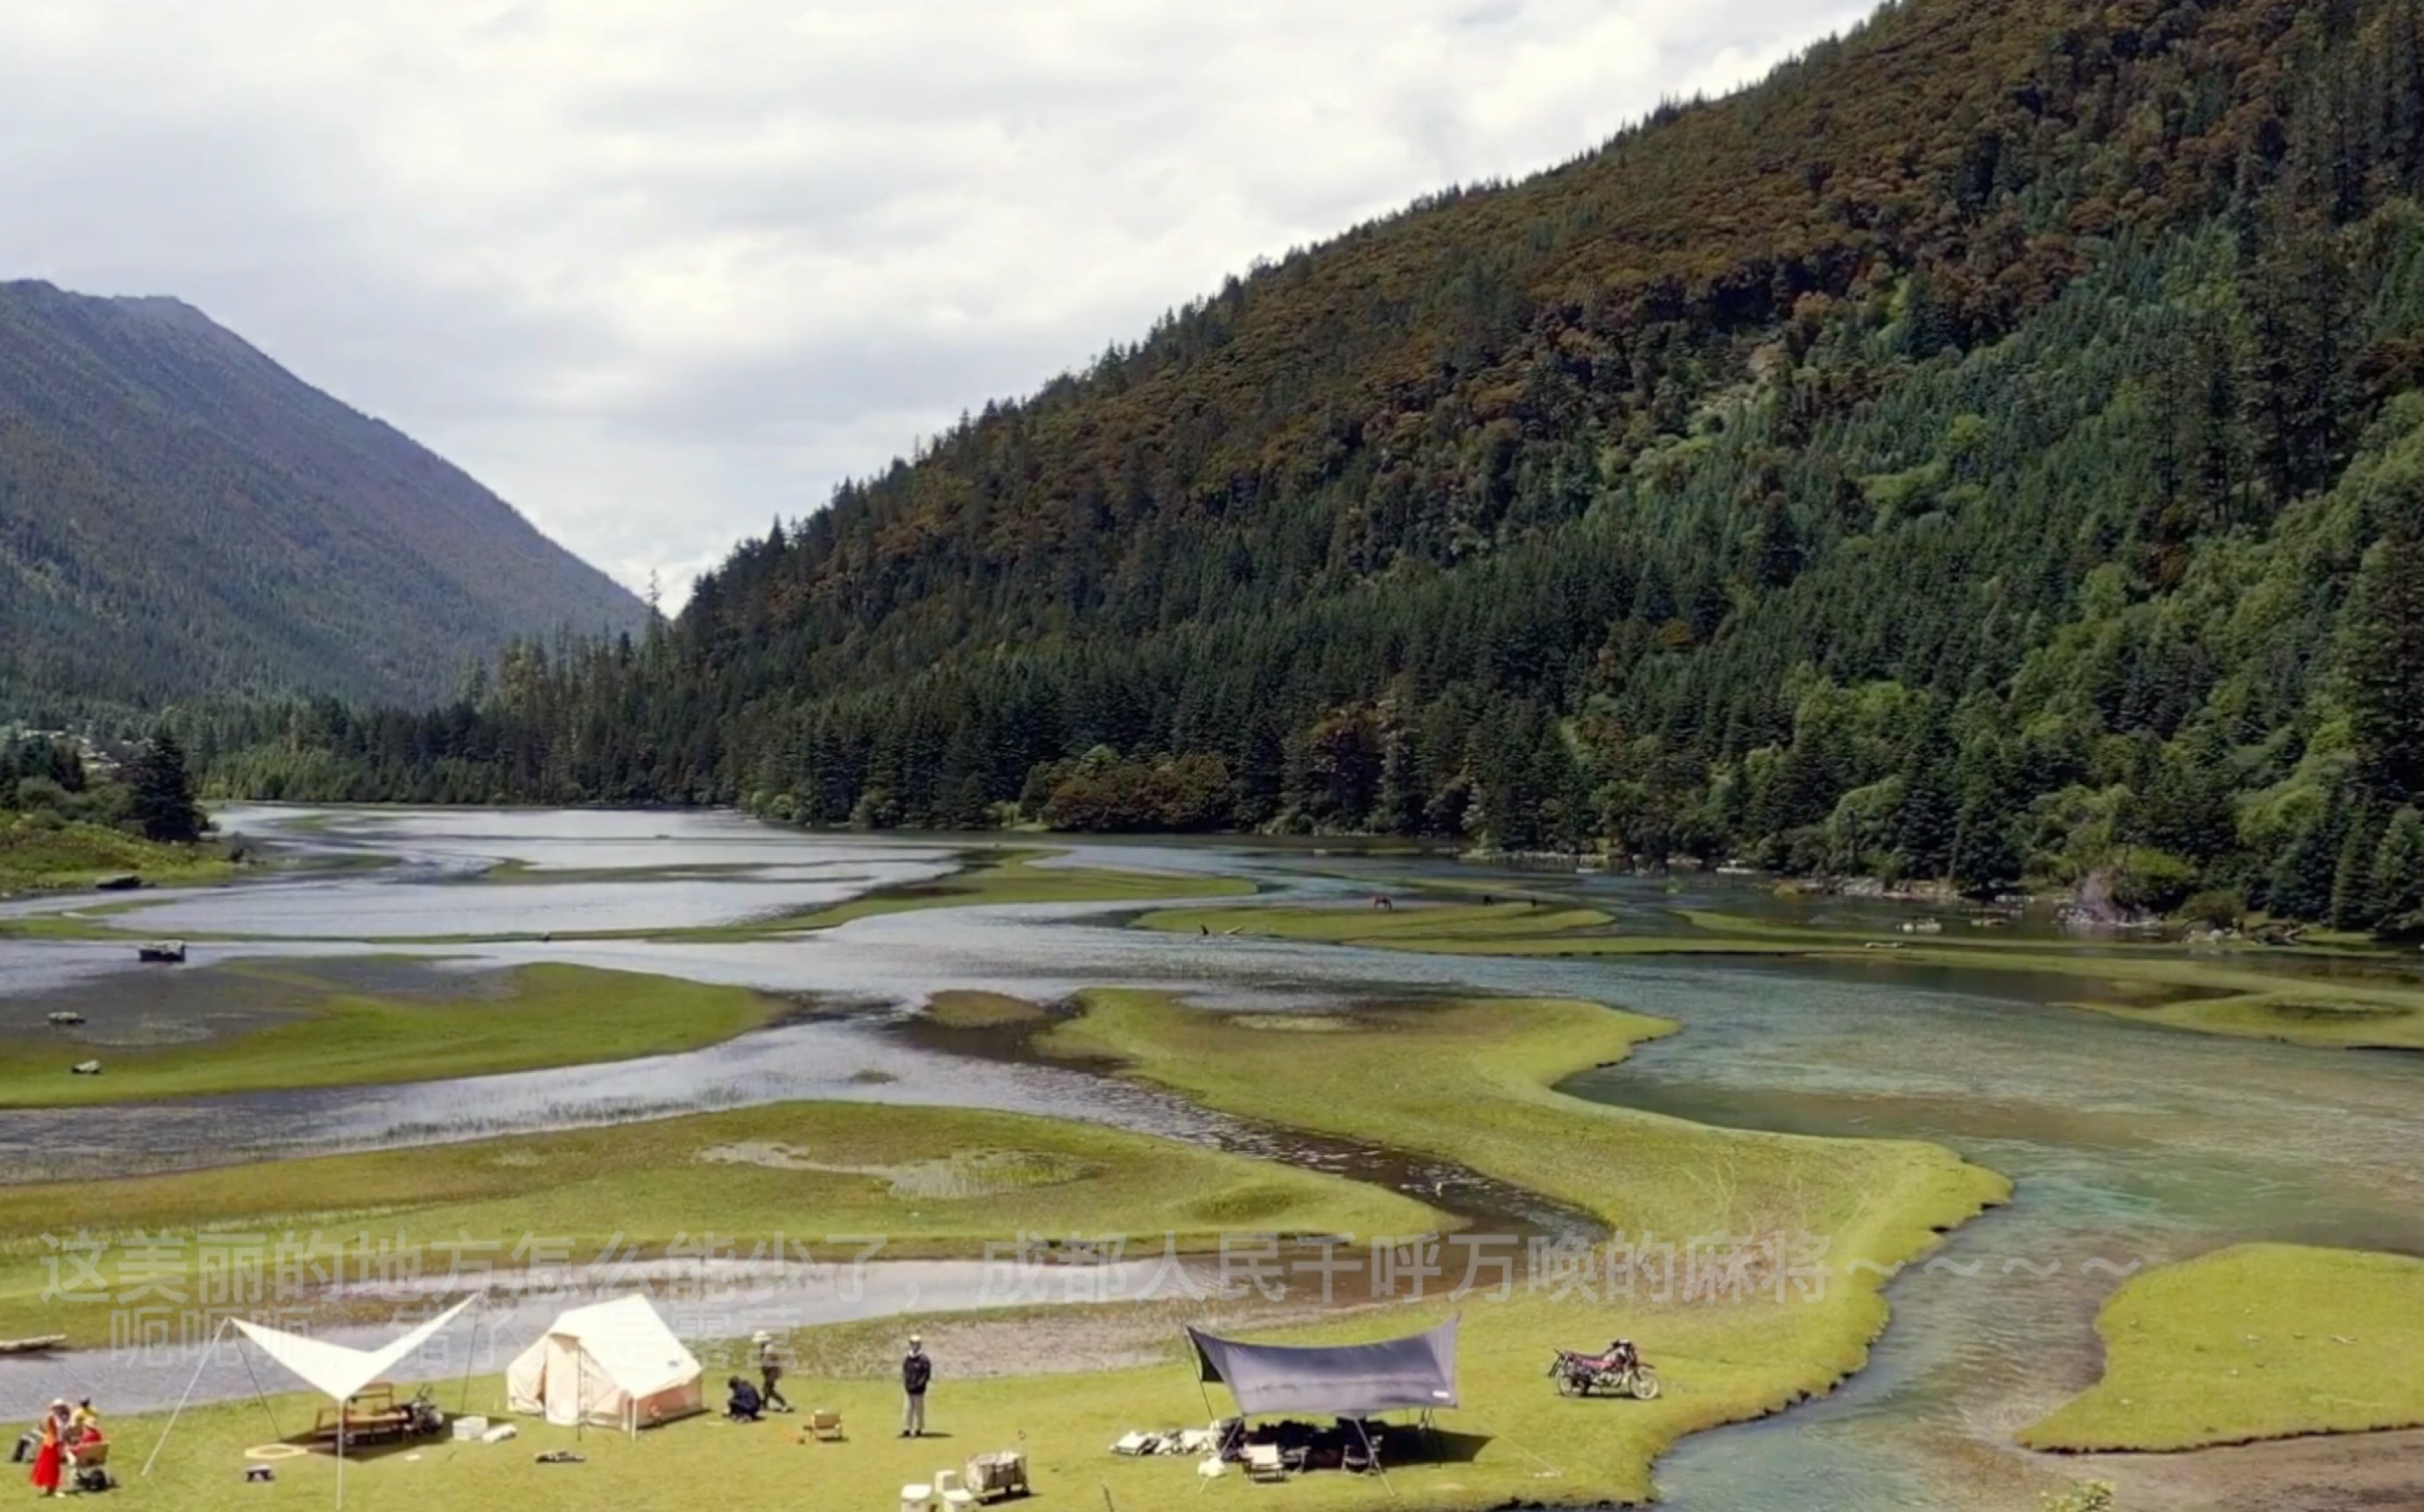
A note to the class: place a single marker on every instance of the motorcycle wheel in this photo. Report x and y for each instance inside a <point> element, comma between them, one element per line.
<point>1571,1385</point>
<point>1645,1385</point>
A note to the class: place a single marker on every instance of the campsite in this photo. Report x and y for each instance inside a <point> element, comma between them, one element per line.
<point>1123,1167</point>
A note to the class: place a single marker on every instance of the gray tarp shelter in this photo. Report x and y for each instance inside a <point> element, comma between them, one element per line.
<point>1343,1381</point>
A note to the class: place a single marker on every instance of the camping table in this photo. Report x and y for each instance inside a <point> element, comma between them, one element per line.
<point>367,1417</point>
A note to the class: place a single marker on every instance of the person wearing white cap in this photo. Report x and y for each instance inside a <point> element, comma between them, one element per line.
<point>769,1371</point>
<point>916,1373</point>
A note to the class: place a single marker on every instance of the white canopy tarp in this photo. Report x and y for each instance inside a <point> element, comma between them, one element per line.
<point>335,1370</point>
<point>614,1363</point>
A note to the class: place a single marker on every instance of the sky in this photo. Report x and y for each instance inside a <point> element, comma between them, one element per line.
<point>660,273</point>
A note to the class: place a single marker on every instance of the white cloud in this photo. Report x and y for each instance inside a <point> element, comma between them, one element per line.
<point>660,270</point>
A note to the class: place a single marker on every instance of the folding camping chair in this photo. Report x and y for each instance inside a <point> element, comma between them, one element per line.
<point>1262,1463</point>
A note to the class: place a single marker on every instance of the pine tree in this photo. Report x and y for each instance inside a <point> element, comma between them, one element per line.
<point>2352,901</point>
<point>1930,820</point>
<point>2395,892</point>
<point>2299,885</point>
<point>160,792</point>
<point>2383,666</point>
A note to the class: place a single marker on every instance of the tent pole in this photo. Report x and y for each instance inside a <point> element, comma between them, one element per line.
<point>1372,1456</point>
<point>464,1398</point>
<point>342,1436</point>
<point>181,1400</point>
<point>258,1395</point>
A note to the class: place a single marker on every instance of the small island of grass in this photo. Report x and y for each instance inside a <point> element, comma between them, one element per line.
<point>1021,876</point>
<point>2258,1342</point>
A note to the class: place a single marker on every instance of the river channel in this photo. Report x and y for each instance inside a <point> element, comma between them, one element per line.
<point>2129,1145</point>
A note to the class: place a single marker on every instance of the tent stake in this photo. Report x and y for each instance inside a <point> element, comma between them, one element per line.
<point>197,1380</point>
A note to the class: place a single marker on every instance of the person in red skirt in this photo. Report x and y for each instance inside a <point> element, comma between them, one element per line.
<point>48,1457</point>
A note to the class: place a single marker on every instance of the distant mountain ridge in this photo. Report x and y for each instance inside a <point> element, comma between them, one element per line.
<point>182,518</point>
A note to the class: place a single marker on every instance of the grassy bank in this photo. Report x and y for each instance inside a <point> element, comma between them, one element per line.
<point>2213,992</point>
<point>2256,1342</point>
<point>2226,991</point>
<point>519,1020</point>
<point>932,1182</point>
<point>1734,1337</point>
<point>1362,924</point>
<point>37,856</point>
<point>962,1009</point>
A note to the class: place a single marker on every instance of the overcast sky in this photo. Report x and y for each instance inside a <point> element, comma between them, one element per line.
<point>660,270</point>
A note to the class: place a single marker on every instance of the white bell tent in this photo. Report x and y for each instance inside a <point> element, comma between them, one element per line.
<point>336,1370</point>
<point>615,1365</point>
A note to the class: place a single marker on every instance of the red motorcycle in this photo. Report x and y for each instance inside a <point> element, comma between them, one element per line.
<point>1580,1374</point>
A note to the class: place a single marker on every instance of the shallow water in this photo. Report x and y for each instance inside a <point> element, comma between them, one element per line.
<point>2130,1146</point>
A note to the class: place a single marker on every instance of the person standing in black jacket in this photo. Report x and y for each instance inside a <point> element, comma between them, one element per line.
<point>916,1373</point>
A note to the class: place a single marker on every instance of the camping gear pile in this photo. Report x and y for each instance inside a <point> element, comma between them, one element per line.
<point>979,1481</point>
<point>1002,1472</point>
<point>373,1415</point>
<point>1197,1442</point>
<point>1352,1444</point>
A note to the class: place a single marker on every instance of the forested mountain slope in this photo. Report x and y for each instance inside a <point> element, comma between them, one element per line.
<point>181,517</point>
<point>1988,448</point>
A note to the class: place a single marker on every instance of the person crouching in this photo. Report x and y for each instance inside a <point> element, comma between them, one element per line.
<point>745,1405</point>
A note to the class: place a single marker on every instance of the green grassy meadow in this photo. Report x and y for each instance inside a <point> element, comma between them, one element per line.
<point>933,1182</point>
<point>1065,1424</point>
<point>545,1015</point>
<point>2262,1341</point>
<point>37,856</point>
